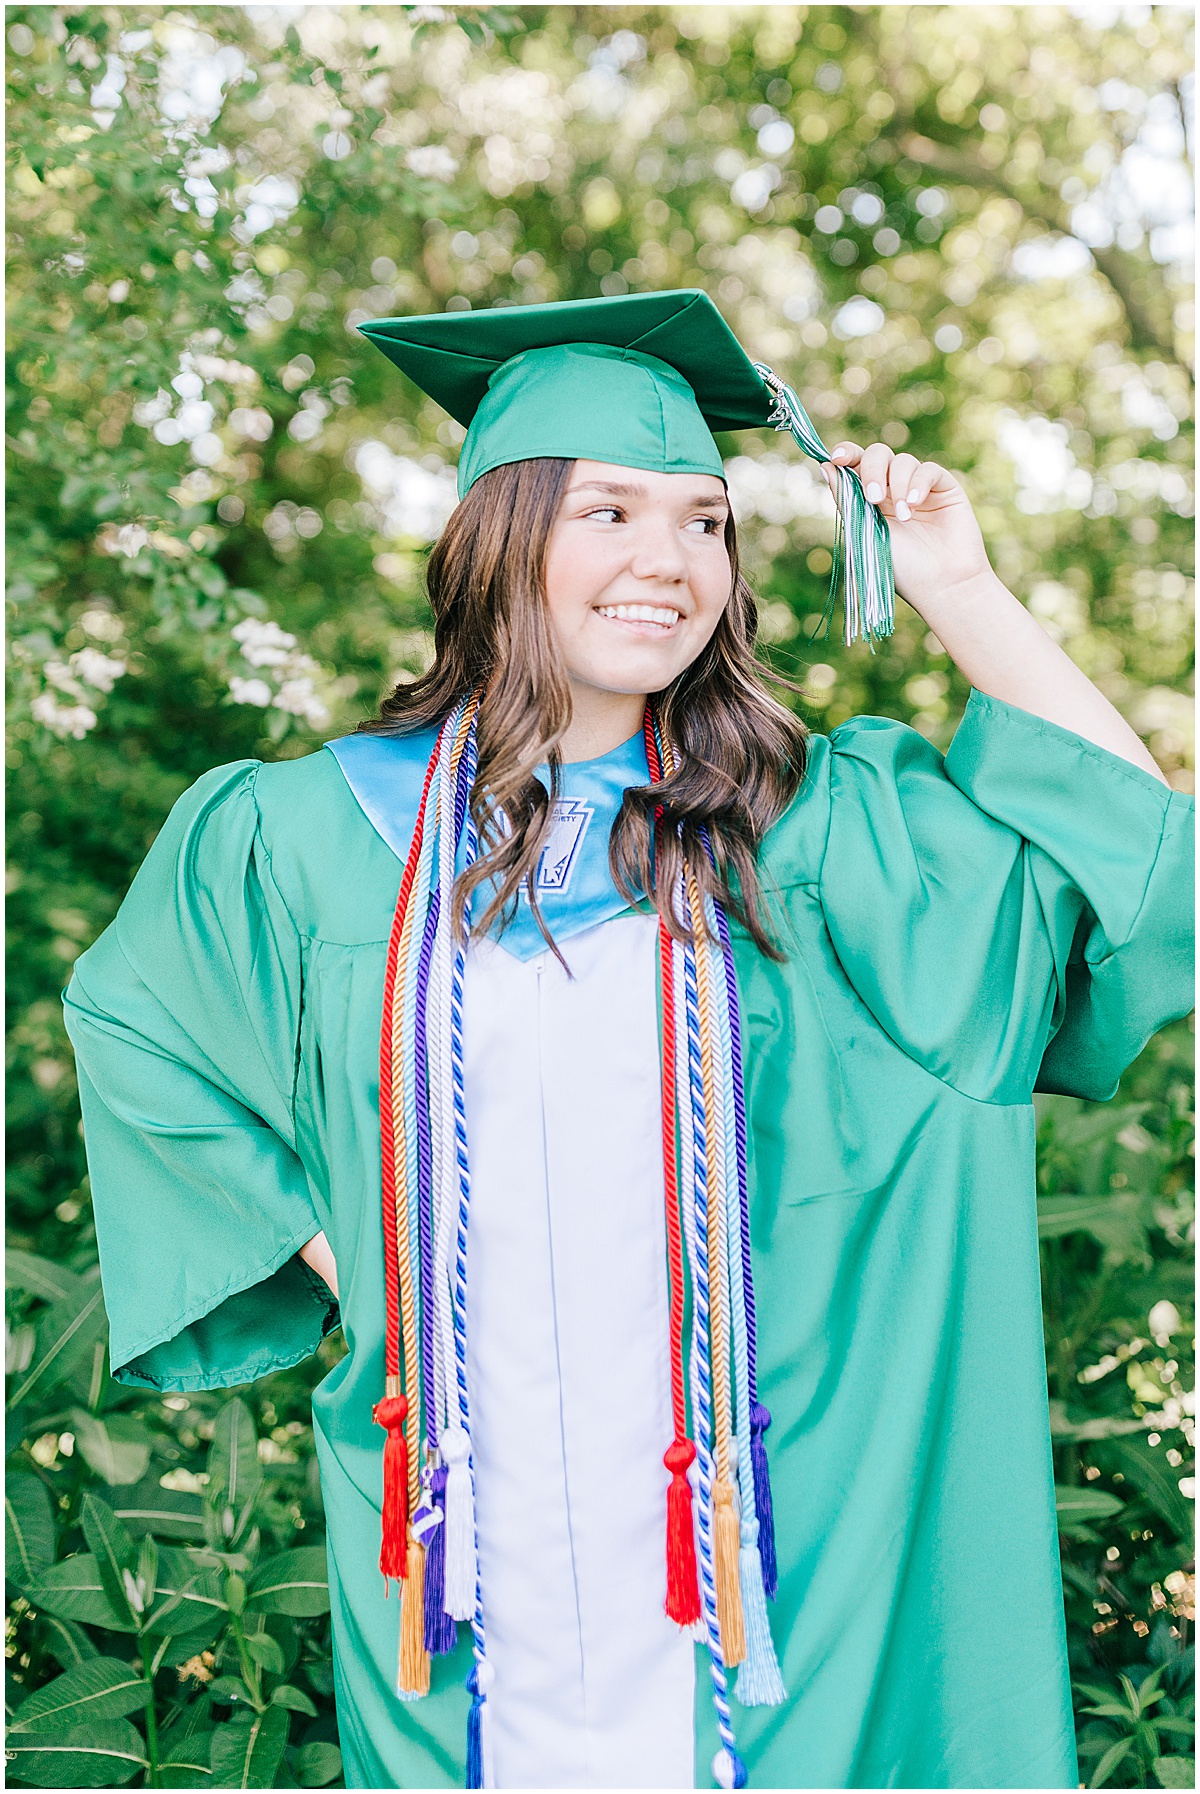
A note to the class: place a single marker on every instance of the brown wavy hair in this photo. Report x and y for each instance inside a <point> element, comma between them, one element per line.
<point>740,753</point>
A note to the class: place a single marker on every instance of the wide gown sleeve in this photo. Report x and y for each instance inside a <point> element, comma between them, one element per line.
<point>184,1016</point>
<point>1017,915</point>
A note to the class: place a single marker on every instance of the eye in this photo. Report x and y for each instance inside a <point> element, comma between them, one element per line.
<point>613,511</point>
<point>711,526</point>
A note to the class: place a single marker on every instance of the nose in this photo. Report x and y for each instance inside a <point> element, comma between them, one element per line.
<point>658,553</point>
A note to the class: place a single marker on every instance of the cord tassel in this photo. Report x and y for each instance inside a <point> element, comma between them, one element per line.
<point>441,1634</point>
<point>759,1683</point>
<point>475,1732</point>
<point>760,1420</point>
<point>413,1679</point>
<point>863,541</point>
<point>729,1595</point>
<point>683,1584</point>
<point>479,1681</point>
<point>391,1413</point>
<point>728,1769</point>
<point>460,1570</point>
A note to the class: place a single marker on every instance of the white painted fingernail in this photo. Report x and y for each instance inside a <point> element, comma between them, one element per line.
<point>915,498</point>
<point>902,511</point>
<point>875,492</point>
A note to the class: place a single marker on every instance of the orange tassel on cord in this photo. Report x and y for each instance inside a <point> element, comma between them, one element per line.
<point>391,1413</point>
<point>729,1590</point>
<point>413,1677</point>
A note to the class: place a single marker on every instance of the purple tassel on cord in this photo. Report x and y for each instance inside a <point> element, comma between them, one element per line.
<point>441,1634</point>
<point>760,1420</point>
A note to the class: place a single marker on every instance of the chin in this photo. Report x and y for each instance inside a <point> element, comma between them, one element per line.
<point>643,673</point>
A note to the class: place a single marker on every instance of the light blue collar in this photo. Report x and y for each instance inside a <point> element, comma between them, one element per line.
<point>574,885</point>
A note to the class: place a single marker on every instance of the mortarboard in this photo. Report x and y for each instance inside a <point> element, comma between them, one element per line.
<point>641,380</point>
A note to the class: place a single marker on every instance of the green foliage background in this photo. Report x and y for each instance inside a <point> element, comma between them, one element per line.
<point>902,209</point>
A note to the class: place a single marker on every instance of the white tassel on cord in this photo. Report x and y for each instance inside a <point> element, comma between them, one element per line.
<point>459,1596</point>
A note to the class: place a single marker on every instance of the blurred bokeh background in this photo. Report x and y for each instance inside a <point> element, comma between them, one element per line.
<point>963,230</point>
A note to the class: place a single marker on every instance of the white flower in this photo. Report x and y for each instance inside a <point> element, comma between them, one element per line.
<point>298,698</point>
<point>74,720</point>
<point>263,644</point>
<point>131,539</point>
<point>249,691</point>
<point>96,669</point>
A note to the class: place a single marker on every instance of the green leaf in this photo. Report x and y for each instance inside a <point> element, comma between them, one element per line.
<point>28,1527</point>
<point>188,1764</point>
<point>1116,1753</point>
<point>191,1594</point>
<point>66,1642</point>
<point>228,1689</point>
<point>233,1465</point>
<point>248,1750</point>
<point>1153,1479</point>
<point>293,1698</point>
<point>67,1332</point>
<point>105,1688</point>
<point>317,1764</point>
<point>74,1591</point>
<point>1175,1771</point>
<point>294,1582</point>
<point>151,1508</point>
<point>1115,1220</point>
<point>39,1276</point>
<point>266,1652</point>
<point>116,1557</point>
<point>117,1448</point>
<point>1085,1503</point>
<point>92,1756</point>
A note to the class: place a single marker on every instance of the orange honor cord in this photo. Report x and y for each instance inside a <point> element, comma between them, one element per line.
<point>392,1411</point>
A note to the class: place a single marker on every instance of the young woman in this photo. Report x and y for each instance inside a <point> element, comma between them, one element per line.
<point>637,934</point>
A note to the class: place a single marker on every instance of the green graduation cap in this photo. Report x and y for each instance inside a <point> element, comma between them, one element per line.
<point>641,381</point>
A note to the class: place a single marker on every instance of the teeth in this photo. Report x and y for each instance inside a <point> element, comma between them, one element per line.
<point>639,613</point>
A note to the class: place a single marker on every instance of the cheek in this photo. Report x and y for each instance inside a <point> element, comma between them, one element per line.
<point>710,583</point>
<point>576,572</point>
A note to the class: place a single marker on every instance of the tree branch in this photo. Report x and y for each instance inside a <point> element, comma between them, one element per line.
<point>1118,269</point>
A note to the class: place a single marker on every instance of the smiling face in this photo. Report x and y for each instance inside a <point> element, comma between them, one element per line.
<point>637,575</point>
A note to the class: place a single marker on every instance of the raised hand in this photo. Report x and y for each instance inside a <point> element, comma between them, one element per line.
<point>936,540</point>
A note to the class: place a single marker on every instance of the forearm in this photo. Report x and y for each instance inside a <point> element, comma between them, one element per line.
<point>318,1255</point>
<point>1005,653</point>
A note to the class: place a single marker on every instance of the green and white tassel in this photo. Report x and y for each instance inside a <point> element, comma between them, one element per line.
<point>862,539</point>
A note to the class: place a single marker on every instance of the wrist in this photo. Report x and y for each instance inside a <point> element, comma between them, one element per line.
<point>980,594</point>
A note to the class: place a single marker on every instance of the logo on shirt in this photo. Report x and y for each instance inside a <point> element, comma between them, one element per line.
<point>569,821</point>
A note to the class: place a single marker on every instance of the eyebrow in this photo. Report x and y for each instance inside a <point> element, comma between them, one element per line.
<point>714,500</point>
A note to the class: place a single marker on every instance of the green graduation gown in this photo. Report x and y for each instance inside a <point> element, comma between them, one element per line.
<point>960,931</point>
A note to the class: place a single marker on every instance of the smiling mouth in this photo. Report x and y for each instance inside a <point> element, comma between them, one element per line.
<point>659,619</point>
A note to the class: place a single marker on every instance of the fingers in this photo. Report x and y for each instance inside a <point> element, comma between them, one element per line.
<point>897,482</point>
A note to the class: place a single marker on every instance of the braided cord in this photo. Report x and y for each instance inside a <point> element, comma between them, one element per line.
<point>386,1108</point>
<point>464,1175</point>
<point>700,1366</point>
<point>701,1047</point>
<point>737,1277</point>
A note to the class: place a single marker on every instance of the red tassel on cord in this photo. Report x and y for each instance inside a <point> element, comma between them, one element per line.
<point>683,1585</point>
<point>391,1413</point>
